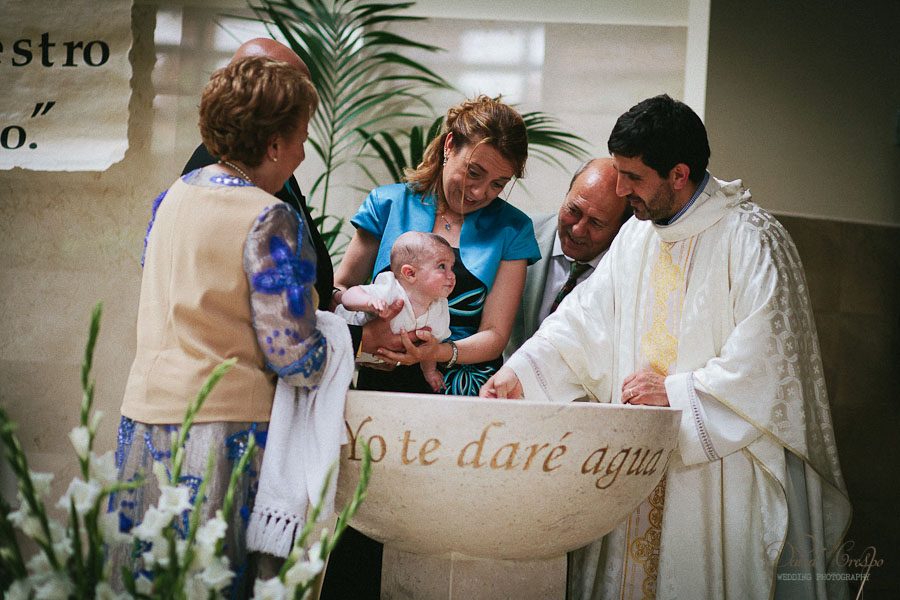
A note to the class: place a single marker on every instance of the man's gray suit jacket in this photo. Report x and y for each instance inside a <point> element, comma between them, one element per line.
<point>527,322</point>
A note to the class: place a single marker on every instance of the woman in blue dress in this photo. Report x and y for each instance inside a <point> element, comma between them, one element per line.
<point>454,193</point>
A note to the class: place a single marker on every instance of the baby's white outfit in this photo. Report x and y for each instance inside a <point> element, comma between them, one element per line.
<point>386,287</point>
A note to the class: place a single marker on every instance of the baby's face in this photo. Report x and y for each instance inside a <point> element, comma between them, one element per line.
<point>435,274</point>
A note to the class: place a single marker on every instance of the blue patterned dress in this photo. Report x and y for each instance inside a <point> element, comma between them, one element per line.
<point>279,267</point>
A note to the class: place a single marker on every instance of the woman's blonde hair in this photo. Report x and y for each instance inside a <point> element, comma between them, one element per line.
<point>249,101</point>
<point>476,121</point>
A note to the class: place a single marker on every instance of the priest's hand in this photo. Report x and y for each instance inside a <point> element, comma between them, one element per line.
<point>645,387</point>
<point>503,384</point>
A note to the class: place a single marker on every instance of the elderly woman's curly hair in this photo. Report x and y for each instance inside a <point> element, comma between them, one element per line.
<point>248,102</point>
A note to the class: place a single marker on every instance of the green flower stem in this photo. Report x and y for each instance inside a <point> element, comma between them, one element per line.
<point>178,444</point>
<point>15,456</point>
<point>87,386</point>
<point>236,472</point>
<point>13,565</point>
<point>76,562</point>
<point>351,507</point>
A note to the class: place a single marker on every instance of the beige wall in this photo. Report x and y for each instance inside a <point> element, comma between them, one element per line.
<point>67,241</point>
<point>801,104</point>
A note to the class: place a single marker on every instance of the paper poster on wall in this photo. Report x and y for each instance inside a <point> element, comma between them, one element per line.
<point>64,84</point>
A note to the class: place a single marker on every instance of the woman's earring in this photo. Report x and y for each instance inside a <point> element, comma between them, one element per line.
<point>445,161</point>
<point>274,159</point>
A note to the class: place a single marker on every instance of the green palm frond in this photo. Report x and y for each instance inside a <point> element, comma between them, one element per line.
<point>360,71</point>
<point>546,141</point>
<point>367,84</point>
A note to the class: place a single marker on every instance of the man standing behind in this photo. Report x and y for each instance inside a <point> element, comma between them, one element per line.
<point>572,242</point>
<point>290,193</point>
<point>700,304</point>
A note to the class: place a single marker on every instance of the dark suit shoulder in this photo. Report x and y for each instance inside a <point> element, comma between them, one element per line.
<point>199,159</point>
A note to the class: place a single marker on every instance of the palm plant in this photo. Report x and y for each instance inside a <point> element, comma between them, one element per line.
<point>362,77</point>
<point>545,140</point>
<point>366,85</point>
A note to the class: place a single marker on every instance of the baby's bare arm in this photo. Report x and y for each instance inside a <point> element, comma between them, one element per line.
<point>356,298</point>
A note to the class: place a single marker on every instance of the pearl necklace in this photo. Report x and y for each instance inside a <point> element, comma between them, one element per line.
<point>238,169</point>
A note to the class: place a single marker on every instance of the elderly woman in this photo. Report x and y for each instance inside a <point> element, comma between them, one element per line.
<point>455,194</point>
<point>228,273</point>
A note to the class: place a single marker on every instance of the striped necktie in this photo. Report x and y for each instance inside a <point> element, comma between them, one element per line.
<point>575,271</point>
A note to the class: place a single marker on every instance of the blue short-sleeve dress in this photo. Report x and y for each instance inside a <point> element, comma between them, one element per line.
<point>496,232</point>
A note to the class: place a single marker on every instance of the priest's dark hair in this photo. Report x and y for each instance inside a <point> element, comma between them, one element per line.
<point>662,132</point>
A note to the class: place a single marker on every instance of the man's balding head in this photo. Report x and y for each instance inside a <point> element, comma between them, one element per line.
<point>271,49</point>
<point>592,213</point>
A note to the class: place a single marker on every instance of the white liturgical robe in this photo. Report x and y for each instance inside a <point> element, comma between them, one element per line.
<point>717,302</point>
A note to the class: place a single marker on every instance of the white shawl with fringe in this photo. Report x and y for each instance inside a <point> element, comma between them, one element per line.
<point>306,430</point>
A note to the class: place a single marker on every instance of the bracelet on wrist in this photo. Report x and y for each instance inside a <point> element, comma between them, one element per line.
<point>455,355</point>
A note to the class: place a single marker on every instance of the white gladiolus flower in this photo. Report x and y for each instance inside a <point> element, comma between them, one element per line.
<point>41,482</point>
<point>153,524</point>
<point>56,586</point>
<point>180,548</point>
<point>62,544</point>
<point>194,589</point>
<point>162,476</point>
<point>208,534</point>
<point>302,572</point>
<point>82,493</point>
<point>158,554</point>
<point>104,591</point>
<point>217,575</point>
<point>103,468</point>
<point>213,530</point>
<point>81,439</point>
<point>19,590</point>
<point>109,529</point>
<point>159,551</point>
<point>38,565</point>
<point>142,585</point>
<point>269,589</point>
<point>174,500</point>
<point>204,556</point>
<point>95,421</point>
<point>29,524</point>
<point>58,532</point>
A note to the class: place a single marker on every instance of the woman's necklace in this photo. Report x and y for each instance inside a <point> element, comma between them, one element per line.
<point>447,224</point>
<point>238,169</point>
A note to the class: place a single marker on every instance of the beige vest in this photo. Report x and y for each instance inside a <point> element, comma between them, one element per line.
<point>194,310</point>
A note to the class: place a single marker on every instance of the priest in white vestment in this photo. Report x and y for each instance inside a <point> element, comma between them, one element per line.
<point>700,304</point>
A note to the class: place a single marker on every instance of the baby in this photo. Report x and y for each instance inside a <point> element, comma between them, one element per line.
<point>422,275</point>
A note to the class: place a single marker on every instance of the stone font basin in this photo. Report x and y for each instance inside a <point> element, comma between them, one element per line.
<point>500,479</point>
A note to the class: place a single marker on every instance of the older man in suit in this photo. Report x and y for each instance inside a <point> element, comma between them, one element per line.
<point>572,242</point>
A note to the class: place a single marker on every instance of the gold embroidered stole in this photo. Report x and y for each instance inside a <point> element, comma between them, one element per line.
<point>659,350</point>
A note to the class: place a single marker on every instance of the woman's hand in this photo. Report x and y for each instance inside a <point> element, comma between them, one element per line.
<point>426,347</point>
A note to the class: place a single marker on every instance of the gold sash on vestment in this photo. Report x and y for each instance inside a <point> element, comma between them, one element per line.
<point>659,351</point>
